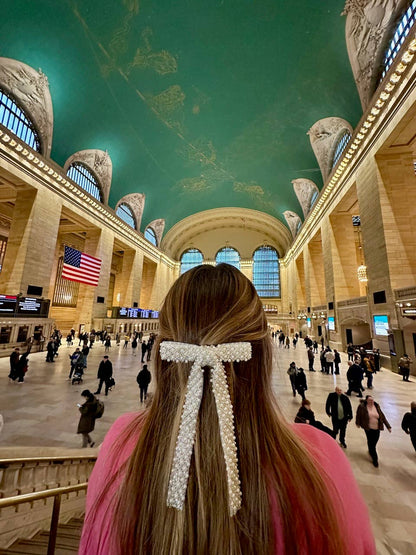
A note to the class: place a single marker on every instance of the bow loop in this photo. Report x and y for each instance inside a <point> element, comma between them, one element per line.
<point>201,356</point>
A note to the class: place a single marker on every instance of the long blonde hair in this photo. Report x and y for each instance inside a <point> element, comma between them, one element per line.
<point>207,306</point>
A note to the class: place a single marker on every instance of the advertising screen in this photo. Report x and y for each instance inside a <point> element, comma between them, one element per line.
<point>7,304</point>
<point>381,325</point>
<point>309,322</point>
<point>331,323</point>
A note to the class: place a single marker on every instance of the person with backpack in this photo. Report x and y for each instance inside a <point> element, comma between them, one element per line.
<point>144,377</point>
<point>89,411</point>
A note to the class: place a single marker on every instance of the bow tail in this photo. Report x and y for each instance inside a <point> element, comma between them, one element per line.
<point>178,481</point>
<point>227,432</point>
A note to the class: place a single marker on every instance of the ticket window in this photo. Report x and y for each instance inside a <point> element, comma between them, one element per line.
<point>22,333</point>
<point>5,333</point>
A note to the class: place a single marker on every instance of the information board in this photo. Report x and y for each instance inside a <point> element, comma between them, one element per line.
<point>7,304</point>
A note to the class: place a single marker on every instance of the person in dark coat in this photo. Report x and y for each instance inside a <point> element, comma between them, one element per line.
<point>306,415</point>
<point>350,351</point>
<point>74,358</point>
<point>337,361</point>
<point>370,417</point>
<point>300,382</point>
<point>144,377</point>
<point>144,349</point>
<point>134,345</point>
<point>311,358</point>
<point>409,423</point>
<point>21,367</point>
<point>14,359</point>
<point>50,350</point>
<point>338,408</point>
<point>354,377</point>
<point>292,371</point>
<point>105,372</point>
<point>87,421</point>
<point>404,367</point>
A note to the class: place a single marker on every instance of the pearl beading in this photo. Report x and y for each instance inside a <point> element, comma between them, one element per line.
<point>212,356</point>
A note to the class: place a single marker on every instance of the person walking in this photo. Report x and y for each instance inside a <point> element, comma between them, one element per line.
<point>50,350</point>
<point>306,415</point>
<point>107,344</point>
<point>338,408</point>
<point>292,371</point>
<point>350,351</point>
<point>287,342</point>
<point>329,358</point>
<point>160,484</point>
<point>337,361</point>
<point>376,359</point>
<point>368,370</point>
<point>311,358</point>
<point>323,361</point>
<point>144,377</point>
<point>354,377</point>
<point>370,417</point>
<point>105,372</point>
<point>409,423</point>
<point>126,341</point>
<point>86,423</point>
<point>134,345</point>
<point>315,347</point>
<point>404,367</point>
<point>14,359</point>
<point>300,382</point>
<point>74,361</point>
<point>144,349</point>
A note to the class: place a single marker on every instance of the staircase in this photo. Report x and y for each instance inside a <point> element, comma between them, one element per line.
<point>67,541</point>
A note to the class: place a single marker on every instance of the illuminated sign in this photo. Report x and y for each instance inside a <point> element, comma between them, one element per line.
<point>331,323</point>
<point>381,325</point>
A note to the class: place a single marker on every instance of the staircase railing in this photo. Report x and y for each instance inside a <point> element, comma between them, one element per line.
<point>56,493</point>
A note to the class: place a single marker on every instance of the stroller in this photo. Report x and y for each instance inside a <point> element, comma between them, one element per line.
<point>77,377</point>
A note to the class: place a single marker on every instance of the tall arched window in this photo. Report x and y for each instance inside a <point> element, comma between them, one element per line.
<point>15,119</point>
<point>341,146</point>
<point>266,272</point>
<point>191,258</point>
<point>125,213</point>
<point>402,30</point>
<point>313,199</point>
<point>150,235</point>
<point>228,255</point>
<point>83,177</point>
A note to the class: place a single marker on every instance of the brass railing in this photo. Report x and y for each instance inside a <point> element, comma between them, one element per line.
<point>56,493</point>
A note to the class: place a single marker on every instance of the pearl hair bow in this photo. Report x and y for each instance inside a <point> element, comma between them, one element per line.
<point>212,356</point>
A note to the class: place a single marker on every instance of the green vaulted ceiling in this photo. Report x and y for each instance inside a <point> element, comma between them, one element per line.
<point>200,103</point>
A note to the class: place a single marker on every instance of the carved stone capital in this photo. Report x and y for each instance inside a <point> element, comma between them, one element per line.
<point>324,136</point>
<point>99,162</point>
<point>158,227</point>
<point>368,29</point>
<point>305,190</point>
<point>135,201</point>
<point>293,221</point>
<point>30,88</point>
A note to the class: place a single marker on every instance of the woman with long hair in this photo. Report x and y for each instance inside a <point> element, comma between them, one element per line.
<point>212,467</point>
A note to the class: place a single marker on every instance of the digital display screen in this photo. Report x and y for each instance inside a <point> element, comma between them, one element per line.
<point>7,304</point>
<point>331,323</point>
<point>381,325</point>
<point>29,305</point>
<point>309,323</point>
<point>134,313</point>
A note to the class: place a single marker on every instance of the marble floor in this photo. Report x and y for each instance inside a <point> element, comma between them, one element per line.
<point>43,412</point>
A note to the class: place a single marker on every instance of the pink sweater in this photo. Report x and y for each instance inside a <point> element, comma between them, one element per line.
<point>356,528</point>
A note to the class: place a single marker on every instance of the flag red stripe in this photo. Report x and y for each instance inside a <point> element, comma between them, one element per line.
<point>92,258</point>
<point>80,280</point>
<point>72,269</point>
<point>74,275</point>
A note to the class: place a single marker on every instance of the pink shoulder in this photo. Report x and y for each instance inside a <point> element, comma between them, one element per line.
<point>354,513</point>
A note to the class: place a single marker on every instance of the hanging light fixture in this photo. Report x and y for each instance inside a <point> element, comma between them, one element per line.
<point>362,273</point>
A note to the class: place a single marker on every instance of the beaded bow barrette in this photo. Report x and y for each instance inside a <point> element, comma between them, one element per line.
<point>212,356</point>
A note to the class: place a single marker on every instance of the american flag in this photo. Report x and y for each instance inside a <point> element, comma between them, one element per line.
<point>81,267</point>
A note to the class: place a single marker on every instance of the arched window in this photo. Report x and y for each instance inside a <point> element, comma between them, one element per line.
<point>125,213</point>
<point>191,258</point>
<point>266,273</point>
<point>85,179</point>
<point>228,255</point>
<point>402,30</point>
<point>313,199</point>
<point>341,146</point>
<point>299,225</point>
<point>150,235</point>
<point>15,119</point>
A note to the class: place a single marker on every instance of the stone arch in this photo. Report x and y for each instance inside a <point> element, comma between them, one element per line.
<point>293,221</point>
<point>368,29</point>
<point>99,162</point>
<point>30,88</point>
<point>158,227</point>
<point>135,201</point>
<point>305,189</point>
<point>324,136</point>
